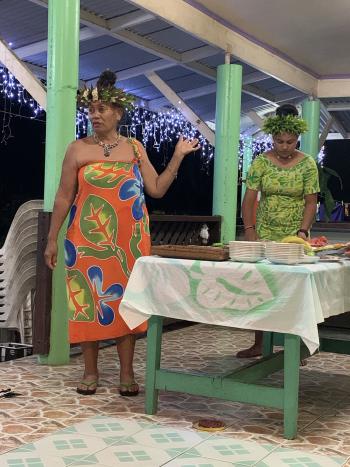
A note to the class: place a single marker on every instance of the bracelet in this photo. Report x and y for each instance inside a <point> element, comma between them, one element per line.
<point>249,227</point>
<point>174,174</point>
<point>305,232</point>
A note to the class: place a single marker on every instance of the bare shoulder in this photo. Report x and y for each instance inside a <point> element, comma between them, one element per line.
<point>82,143</point>
<point>78,146</point>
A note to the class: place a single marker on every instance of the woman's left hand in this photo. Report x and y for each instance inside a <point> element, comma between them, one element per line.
<point>186,146</point>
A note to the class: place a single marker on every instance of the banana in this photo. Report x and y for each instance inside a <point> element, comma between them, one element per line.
<point>301,241</point>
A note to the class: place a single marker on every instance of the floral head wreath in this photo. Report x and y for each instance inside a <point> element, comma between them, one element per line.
<point>107,94</point>
<point>284,124</point>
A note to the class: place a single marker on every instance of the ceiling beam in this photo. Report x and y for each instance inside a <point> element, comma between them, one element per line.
<point>156,104</point>
<point>338,107</point>
<point>255,118</point>
<point>23,74</point>
<point>41,46</point>
<point>178,103</point>
<point>261,94</point>
<point>129,20</point>
<point>194,22</point>
<point>203,91</point>
<point>333,88</point>
<point>184,59</point>
<point>199,53</point>
<point>325,131</point>
<point>161,64</point>
<point>104,26</point>
<point>38,71</point>
<point>115,24</point>
<point>337,125</point>
<point>132,72</point>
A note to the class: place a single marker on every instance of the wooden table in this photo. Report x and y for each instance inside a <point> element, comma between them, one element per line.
<point>283,299</point>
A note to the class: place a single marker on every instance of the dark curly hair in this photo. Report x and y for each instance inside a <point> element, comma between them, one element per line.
<point>287,109</point>
<point>107,79</point>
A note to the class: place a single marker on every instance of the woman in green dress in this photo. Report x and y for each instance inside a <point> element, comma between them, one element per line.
<point>287,180</point>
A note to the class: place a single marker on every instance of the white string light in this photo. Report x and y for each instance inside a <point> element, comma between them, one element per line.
<point>156,130</point>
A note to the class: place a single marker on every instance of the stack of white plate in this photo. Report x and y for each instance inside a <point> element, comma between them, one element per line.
<point>284,253</point>
<point>248,252</point>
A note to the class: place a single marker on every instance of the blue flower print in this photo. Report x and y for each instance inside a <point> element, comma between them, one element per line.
<point>70,253</point>
<point>72,214</point>
<point>105,313</point>
<point>133,188</point>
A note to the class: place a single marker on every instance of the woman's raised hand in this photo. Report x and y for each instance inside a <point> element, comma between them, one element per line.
<point>186,146</point>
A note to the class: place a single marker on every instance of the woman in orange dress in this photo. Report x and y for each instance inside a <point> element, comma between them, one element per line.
<point>101,187</point>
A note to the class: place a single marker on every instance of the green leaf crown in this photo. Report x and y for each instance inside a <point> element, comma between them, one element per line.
<point>109,95</point>
<point>284,124</point>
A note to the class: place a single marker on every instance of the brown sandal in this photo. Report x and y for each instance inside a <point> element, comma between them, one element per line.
<point>87,391</point>
<point>124,389</point>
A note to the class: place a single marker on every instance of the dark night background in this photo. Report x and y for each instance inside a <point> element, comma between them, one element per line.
<point>22,170</point>
<point>337,157</point>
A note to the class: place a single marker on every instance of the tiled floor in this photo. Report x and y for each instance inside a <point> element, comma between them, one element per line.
<point>108,441</point>
<point>254,435</point>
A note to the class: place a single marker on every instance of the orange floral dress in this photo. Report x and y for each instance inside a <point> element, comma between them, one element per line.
<point>108,230</point>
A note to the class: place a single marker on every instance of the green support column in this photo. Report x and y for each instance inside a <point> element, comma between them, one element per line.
<point>62,82</point>
<point>228,110</point>
<point>246,161</point>
<point>310,139</point>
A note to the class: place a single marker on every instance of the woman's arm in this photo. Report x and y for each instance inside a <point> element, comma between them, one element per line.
<point>248,214</point>
<point>309,214</point>
<point>157,185</point>
<point>63,201</point>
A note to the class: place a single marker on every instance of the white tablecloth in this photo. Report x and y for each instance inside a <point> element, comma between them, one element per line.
<point>261,296</point>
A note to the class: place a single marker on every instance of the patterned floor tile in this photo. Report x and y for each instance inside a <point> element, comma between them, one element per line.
<point>170,438</point>
<point>64,446</point>
<point>108,428</point>
<point>17,459</point>
<point>231,450</point>
<point>190,461</point>
<point>125,454</point>
<point>294,458</point>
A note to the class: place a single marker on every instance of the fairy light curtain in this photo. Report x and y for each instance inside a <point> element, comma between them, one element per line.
<point>157,131</point>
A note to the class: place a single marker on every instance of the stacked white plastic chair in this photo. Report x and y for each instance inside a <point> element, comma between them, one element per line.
<point>18,270</point>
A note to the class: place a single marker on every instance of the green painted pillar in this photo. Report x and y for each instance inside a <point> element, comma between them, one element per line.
<point>228,111</point>
<point>62,82</point>
<point>246,161</point>
<point>310,139</point>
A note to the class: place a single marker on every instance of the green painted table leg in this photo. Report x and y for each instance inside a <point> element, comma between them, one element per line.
<point>267,344</point>
<point>291,384</point>
<point>154,343</point>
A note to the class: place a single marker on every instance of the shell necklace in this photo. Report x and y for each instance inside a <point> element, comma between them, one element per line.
<point>283,158</point>
<point>107,148</point>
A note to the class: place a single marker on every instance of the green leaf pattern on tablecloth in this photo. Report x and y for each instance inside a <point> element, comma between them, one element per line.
<point>243,289</point>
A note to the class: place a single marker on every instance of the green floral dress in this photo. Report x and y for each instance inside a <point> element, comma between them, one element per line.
<point>281,207</point>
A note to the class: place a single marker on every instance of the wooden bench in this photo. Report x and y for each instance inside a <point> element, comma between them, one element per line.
<point>183,230</point>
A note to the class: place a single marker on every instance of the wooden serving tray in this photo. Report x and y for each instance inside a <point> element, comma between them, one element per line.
<point>208,253</point>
